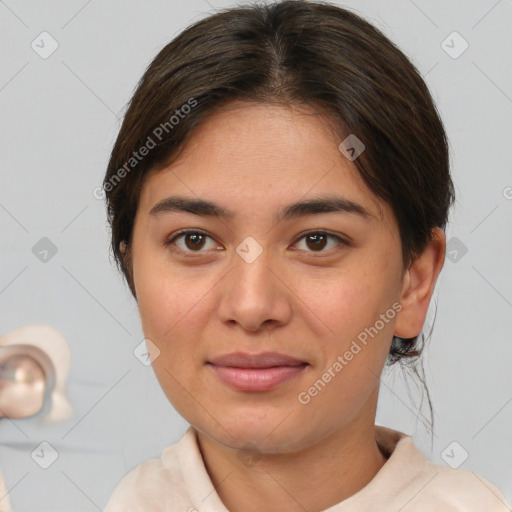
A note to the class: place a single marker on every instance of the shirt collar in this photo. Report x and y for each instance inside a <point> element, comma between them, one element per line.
<point>404,463</point>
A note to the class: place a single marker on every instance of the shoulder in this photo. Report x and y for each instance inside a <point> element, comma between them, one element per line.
<point>421,484</point>
<point>154,485</point>
<point>462,490</point>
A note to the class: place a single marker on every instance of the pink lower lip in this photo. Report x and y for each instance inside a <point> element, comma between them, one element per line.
<point>256,379</point>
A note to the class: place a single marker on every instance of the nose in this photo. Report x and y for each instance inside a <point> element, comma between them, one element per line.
<point>255,293</point>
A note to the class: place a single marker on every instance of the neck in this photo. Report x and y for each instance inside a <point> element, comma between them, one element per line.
<point>335,468</point>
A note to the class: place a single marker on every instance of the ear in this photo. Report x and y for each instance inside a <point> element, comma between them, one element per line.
<point>418,285</point>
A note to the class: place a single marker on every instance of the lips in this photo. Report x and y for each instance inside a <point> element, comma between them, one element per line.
<point>263,360</point>
<point>256,372</point>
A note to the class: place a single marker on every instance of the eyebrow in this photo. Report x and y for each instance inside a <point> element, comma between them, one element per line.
<point>316,205</point>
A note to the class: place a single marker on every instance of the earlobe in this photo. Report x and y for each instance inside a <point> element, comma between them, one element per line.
<point>418,285</point>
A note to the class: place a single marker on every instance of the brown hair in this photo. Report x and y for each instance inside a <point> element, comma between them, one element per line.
<point>291,52</point>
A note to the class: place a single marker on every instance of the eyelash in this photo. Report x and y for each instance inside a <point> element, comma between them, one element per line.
<point>179,234</point>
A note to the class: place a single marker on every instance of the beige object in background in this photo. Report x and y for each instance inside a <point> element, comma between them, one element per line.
<point>50,341</point>
<point>5,504</point>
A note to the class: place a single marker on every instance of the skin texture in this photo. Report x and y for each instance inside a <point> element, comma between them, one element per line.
<point>295,299</point>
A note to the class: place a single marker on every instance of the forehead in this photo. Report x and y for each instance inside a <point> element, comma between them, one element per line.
<point>259,157</point>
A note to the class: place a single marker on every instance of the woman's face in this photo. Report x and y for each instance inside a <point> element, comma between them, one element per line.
<point>258,281</point>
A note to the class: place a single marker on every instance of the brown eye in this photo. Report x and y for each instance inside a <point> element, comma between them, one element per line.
<point>191,241</point>
<point>318,240</point>
<point>194,241</point>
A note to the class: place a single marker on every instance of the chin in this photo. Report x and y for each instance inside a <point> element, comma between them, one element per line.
<point>269,434</point>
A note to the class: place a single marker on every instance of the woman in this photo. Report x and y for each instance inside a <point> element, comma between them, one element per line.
<point>277,194</point>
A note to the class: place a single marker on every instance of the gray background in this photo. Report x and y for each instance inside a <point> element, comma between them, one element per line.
<point>60,116</point>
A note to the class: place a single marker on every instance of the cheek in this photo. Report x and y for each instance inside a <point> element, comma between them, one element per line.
<point>164,296</point>
<point>359,308</point>
<point>350,301</point>
<point>170,313</point>
<point>174,311</point>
